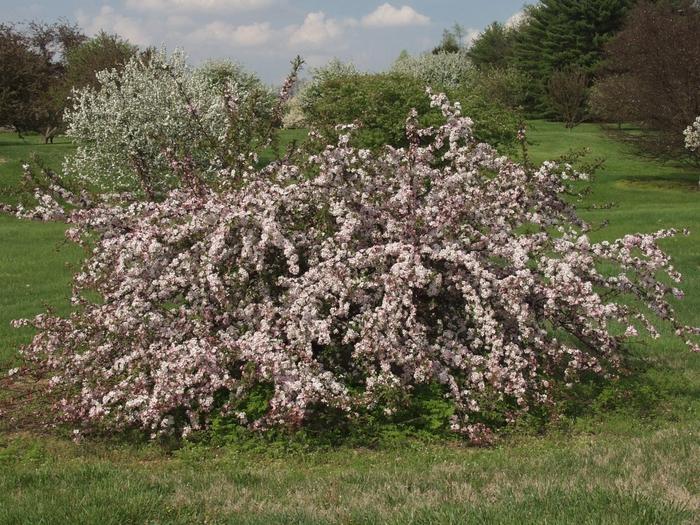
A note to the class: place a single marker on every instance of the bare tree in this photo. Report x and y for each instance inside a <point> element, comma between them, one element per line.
<point>567,90</point>
<point>609,100</point>
<point>656,60</point>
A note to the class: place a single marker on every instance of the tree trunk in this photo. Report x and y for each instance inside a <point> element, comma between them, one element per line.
<point>49,134</point>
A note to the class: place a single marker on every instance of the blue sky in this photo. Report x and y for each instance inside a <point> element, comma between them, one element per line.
<point>265,34</point>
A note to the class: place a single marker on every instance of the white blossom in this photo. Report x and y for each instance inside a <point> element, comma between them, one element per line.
<point>692,136</point>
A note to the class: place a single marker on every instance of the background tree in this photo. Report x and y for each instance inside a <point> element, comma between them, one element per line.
<point>691,136</point>
<point>609,99</point>
<point>564,33</point>
<point>21,72</point>
<point>493,47</point>
<point>55,41</point>
<point>656,58</point>
<point>506,85</point>
<point>567,91</point>
<point>436,69</point>
<point>103,51</point>
<point>452,40</point>
<point>33,66</point>
<point>130,124</point>
<point>380,103</point>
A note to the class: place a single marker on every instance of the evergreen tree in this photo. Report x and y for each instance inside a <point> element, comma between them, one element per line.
<point>493,47</point>
<point>560,34</point>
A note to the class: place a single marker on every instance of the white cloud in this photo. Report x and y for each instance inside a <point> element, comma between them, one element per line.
<point>470,34</point>
<point>316,30</point>
<point>197,5</point>
<point>245,35</point>
<point>517,19</point>
<point>316,60</point>
<point>108,20</point>
<point>386,15</point>
<point>178,21</point>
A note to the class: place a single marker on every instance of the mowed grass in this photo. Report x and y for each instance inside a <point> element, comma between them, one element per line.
<point>582,479</point>
<point>629,455</point>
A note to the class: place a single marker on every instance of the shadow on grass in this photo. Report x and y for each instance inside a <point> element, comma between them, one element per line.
<point>33,141</point>
<point>681,181</point>
<point>645,393</point>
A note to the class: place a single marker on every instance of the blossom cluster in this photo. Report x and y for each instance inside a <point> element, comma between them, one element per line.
<point>447,70</point>
<point>692,136</point>
<point>343,277</point>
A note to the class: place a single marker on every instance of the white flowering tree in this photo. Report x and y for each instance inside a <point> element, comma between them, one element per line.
<point>692,136</point>
<point>444,70</point>
<point>294,117</point>
<point>342,282</point>
<point>692,139</point>
<point>135,121</point>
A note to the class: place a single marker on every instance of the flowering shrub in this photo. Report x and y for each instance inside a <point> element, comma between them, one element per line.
<point>692,136</point>
<point>127,125</point>
<point>343,282</point>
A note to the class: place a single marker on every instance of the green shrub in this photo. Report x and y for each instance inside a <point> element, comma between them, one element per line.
<point>507,86</point>
<point>382,102</point>
<point>493,121</point>
<point>310,90</point>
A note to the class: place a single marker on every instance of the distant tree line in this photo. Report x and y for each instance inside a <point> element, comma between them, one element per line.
<point>617,61</point>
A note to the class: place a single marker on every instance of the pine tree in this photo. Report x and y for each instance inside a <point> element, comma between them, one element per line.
<point>493,47</point>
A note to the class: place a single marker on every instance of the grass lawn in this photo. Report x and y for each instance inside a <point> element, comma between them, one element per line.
<point>630,456</point>
<point>34,260</point>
